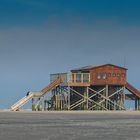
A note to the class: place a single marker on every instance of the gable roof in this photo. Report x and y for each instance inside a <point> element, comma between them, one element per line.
<point>86,68</point>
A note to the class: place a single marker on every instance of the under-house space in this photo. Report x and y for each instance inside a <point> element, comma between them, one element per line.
<point>100,87</point>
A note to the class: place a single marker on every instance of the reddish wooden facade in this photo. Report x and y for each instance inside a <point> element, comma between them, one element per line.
<point>107,74</point>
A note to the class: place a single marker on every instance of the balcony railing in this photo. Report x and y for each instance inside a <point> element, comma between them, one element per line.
<point>72,77</point>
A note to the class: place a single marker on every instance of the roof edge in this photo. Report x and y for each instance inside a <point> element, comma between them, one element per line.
<point>93,67</point>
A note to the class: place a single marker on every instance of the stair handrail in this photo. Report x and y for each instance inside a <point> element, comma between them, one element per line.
<point>132,89</point>
<point>52,85</point>
<point>20,102</point>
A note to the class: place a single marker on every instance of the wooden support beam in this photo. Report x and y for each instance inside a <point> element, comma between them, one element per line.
<point>109,100</point>
<point>82,100</point>
<point>87,96</point>
<point>106,105</point>
<point>88,99</point>
<point>69,98</point>
<point>136,104</point>
<point>33,104</point>
<point>139,104</point>
<point>45,105</point>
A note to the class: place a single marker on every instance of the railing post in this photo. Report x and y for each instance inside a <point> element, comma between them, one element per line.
<point>82,78</point>
<point>68,98</point>
<point>89,77</point>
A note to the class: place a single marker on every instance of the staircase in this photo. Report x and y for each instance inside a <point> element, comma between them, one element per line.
<point>132,89</point>
<point>51,86</point>
<point>26,99</point>
<point>21,102</point>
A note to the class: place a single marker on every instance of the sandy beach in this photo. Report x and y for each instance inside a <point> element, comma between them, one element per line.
<point>72,125</point>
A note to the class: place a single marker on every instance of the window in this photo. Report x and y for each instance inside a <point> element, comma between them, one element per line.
<point>73,77</point>
<point>109,74</point>
<point>86,78</point>
<point>114,74</point>
<point>78,78</point>
<point>98,76</point>
<point>118,75</point>
<point>104,76</point>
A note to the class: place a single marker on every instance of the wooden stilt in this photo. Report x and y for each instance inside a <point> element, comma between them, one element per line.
<point>135,104</point>
<point>69,98</point>
<point>87,97</point>
<point>33,104</point>
<point>106,105</point>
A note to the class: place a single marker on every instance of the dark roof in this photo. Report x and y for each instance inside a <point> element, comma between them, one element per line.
<point>95,66</point>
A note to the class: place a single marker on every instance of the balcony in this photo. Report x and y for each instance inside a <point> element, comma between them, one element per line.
<point>73,79</point>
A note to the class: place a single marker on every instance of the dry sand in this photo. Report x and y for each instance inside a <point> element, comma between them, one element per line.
<point>73,125</point>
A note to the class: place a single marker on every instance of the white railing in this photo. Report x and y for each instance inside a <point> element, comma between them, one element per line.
<point>72,77</point>
<point>21,102</point>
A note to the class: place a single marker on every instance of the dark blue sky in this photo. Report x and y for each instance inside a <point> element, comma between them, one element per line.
<point>36,12</point>
<point>39,37</point>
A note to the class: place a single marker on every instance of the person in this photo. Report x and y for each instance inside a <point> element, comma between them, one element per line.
<point>28,93</point>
